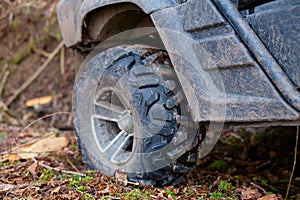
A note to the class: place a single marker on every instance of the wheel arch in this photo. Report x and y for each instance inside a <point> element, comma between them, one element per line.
<point>72,14</point>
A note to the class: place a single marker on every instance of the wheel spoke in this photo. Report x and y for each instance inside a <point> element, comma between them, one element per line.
<point>121,155</point>
<point>106,111</point>
<point>115,143</point>
<point>119,87</point>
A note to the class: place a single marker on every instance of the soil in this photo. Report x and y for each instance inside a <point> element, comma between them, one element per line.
<point>245,163</point>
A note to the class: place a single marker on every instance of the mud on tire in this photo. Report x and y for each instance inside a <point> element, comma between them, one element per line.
<point>131,115</point>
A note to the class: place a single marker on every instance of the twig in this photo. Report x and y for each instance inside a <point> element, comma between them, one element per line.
<point>23,152</point>
<point>28,143</point>
<point>4,79</point>
<point>34,121</point>
<point>263,164</point>
<point>4,69</point>
<point>57,169</point>
<point>11,128</point>
<point>294,165</point>
<point>262,189</point>
<point>3,106</point>
<point>72,165</point>
<point>35,75</point>
<point>41,52</point>
<point>8,11</point>
<point>62,61</point>
<point>46,116</point>
<point>8,2</point>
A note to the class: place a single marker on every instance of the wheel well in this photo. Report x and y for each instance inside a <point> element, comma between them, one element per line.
<point>107,21</point>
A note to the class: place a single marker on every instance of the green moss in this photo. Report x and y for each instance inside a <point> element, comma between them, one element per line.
<point>136,194</point>
<point>218,164</point>
<point>226,187</point>
<point>48,174</point>
<point>217,195</point>
<point>88,196</point>
<point>169,192</point>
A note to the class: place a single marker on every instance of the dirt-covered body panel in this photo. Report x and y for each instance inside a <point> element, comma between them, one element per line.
<point>217,58</point>
<point>71,14</point>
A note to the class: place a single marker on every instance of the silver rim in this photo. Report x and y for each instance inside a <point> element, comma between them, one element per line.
<point>111,108</point>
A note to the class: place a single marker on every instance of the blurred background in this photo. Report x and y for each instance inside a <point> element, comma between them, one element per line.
<point>29,34</point>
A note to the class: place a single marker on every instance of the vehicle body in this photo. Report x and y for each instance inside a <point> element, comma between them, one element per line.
<point>243,55</point>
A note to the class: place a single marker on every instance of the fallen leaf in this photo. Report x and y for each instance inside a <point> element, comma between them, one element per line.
<point>33,168</point>
<point>101,187</point>
<point>6,187</point>
<point>105,191</point>
<point>55,191</point>
<point>250,193</point>
<point>39,101</point>
<point>269,197</point>
<point>35,148</point>
<point>122,176</point>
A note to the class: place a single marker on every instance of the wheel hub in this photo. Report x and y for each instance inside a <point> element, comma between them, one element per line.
<point>125,122</point>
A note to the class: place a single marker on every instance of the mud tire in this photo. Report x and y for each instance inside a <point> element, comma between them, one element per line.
<point>149,79</point>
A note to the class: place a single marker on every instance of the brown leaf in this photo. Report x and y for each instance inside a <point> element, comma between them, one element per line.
<point>33,169</point>
<point>55,191</point>
<point>101,187</point>
<point>105,191</point>
<point>250,193</point>
<point>35,148</point>
<point>269,197</point>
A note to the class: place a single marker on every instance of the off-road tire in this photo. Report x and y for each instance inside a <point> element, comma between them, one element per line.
<point>147,76</point>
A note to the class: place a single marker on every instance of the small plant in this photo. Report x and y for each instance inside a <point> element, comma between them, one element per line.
<point>3,164</point>
<point>80,188</point>
<point>169,192</point>
<point>78,182</point>
<point>136,194</point>
<point>264,182</point>
<point>62,177</point>
<point>225,186</point>
<point>217,195</point>
<point>88,196</point>
<point>189,192</point>
<point>47,174</point>
<point>87,178</point>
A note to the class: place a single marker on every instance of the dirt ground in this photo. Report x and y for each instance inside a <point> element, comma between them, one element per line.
<point>245,164</point>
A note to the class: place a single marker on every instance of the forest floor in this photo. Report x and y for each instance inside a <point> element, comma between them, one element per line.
<point>245,163</point>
